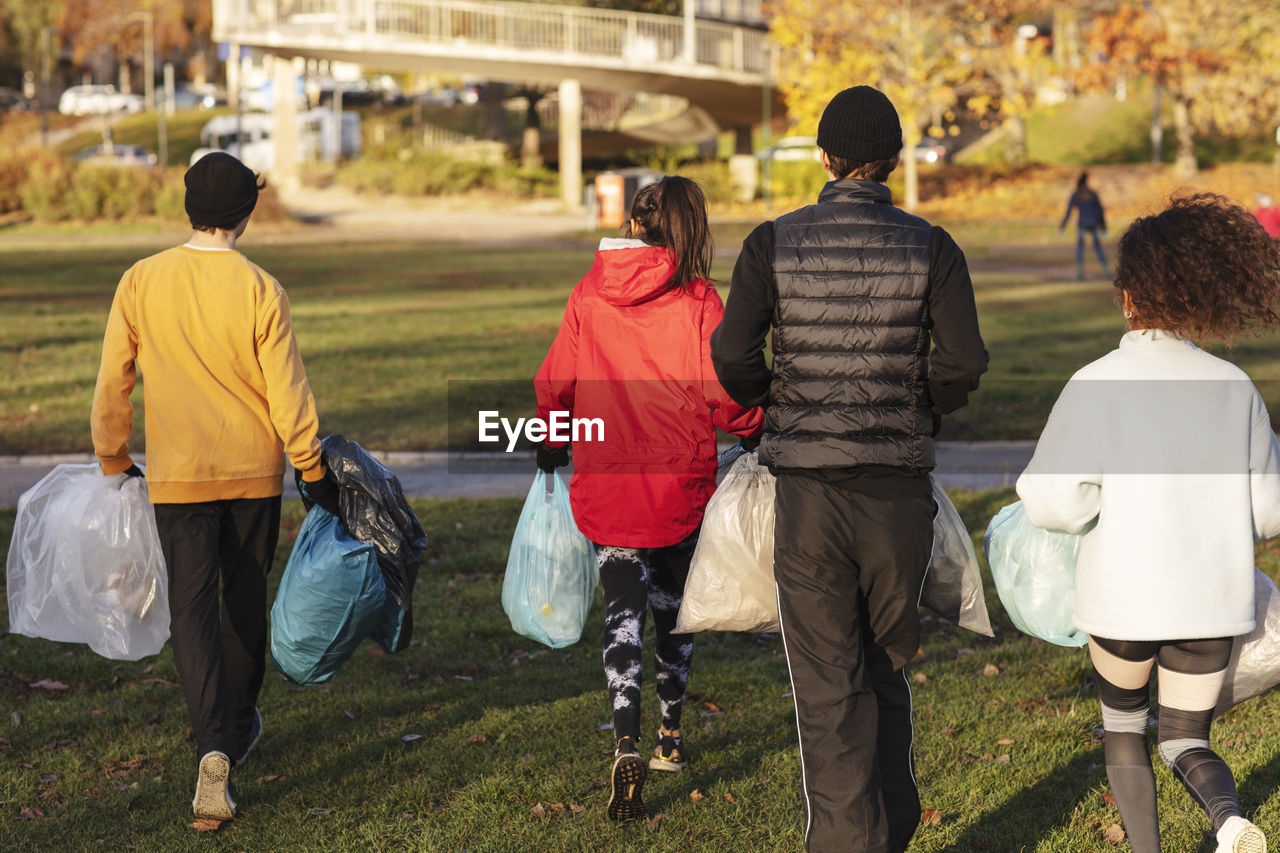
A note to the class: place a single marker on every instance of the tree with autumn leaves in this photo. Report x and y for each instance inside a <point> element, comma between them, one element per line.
<point>86,26</point>
<point>1218,61</point>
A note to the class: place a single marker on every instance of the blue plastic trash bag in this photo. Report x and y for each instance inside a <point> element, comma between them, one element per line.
<point>1035,574</point>
<point>330,596</point>
<point>551,571</point>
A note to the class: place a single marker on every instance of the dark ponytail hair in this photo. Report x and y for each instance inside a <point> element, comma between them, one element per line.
<point>673,214</point>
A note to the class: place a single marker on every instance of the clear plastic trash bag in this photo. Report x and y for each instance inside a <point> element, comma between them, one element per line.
<point>1254,667</point>
<point>730,585</point>
<point>85,564</point>
<point>953,584</point>
<point>551,572</point>
<point>330,596</point>
<point>1035,574</point>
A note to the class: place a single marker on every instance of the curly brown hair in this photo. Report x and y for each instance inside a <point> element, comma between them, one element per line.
<point>1203,268</point>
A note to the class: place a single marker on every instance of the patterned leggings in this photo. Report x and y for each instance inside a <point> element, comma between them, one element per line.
<point>634,580</point>
<point>1191,675</point>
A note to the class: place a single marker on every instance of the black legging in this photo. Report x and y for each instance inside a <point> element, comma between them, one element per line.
<point>1191,673</point>
<point>635,580</point>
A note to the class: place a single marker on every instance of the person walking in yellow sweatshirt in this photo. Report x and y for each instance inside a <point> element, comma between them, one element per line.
<point>226,398</point>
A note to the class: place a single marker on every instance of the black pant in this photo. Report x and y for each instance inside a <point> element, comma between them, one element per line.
<point>219,646</point>
<point>635,580</point>
<point>849,568</point>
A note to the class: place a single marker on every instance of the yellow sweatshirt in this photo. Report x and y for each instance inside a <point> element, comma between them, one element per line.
<point>225,391</point>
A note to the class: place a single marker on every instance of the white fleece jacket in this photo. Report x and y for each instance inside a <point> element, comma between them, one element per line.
<point>1164,458</point>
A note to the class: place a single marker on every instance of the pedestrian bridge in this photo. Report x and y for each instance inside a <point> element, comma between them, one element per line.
<point>720,68</point>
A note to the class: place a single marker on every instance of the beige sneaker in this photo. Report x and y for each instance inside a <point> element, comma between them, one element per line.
<point>1240,836</point>
<point>213,791</point>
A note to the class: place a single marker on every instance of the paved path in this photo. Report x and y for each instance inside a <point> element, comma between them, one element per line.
<point>967,465</point>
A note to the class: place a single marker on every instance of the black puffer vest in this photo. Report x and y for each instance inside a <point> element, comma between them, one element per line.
<point>851,339</point>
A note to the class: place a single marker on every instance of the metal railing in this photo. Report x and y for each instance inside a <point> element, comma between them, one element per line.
<point>632,39</point>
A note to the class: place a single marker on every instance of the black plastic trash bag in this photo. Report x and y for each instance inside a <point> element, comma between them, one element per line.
<point>374,510</point>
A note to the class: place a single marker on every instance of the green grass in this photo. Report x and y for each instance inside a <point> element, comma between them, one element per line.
<point>384,327</point>
<point>507,726</point>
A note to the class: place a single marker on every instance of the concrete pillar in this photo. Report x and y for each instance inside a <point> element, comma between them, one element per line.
<point>284,85</point>
<point>233,76</point>
<point>571,143</point>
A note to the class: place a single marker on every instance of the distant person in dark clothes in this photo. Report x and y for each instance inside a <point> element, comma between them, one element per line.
<point>1091,219</point>
<point>1268,214</point>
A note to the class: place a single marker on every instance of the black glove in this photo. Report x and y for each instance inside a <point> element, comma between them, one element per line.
<point>322,493</point>
<point>551,458</point>
<point>133,471</point>
<point>750,444</point>
<point>937,424</point>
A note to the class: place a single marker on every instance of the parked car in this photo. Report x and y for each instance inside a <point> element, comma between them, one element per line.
<point>791,148</point>
<point>116,155</point>
<point>13,101</point>
<point>249,137</point>
<point>187,98</point>
<point>98,100</point>
<point>931,151</point>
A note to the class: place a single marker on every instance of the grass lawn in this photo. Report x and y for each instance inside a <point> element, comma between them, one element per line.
<point>385,326</point>
<point>1009,761</point>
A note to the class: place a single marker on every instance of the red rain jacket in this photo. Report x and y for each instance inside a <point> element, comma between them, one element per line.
<point>639,359</point>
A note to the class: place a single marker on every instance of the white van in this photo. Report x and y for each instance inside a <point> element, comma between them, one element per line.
<point>256,149</point>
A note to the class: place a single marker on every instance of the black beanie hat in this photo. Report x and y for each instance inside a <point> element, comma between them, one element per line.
<point>860,124</point>
<point>220,191</point>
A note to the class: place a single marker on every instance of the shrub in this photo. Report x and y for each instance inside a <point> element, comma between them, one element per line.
<point>111,192</point>
<point>13,172</point>
<point>45,191</point>
<point>434,173</point>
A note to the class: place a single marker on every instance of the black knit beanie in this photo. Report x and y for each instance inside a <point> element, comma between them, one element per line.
<point>220,191</point>
<point>860,124</point>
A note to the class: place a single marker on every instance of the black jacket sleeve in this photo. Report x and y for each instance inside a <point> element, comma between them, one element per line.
<point>737,344</point>
<point>959,356</point>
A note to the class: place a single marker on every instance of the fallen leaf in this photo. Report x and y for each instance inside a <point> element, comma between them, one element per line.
<point>321,810</point>
<point>538,811</point>
<point>46,684</point>
<point>375,652</point>
<point>30,813</point>
<point>949,731</point>
<point>711,706</point>
<point>410,738</point>
<point>206,824</point>
<point>990,669</point>
<point>1114,834</point>
<point>49,793</point>
<point>16,719</point>
<point>478,738</point>
<point>351,715</point>
<point>274,777</point>
<point>930,817</point>
<point>965,651</point>
<point>1004,759</point>
<point>558,808</point>
<point>600,783</point>
<point>4,743</point>
<point>728,798</point>
<point>1109,798</point>
<point>577,810</point>
<point>987,756</point>
<point>695,795</point>
<point>919,678</point>
<point>656,820</point>
<point>1005,741</point>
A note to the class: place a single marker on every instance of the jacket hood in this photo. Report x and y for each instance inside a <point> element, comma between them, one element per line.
<point>629,272</point>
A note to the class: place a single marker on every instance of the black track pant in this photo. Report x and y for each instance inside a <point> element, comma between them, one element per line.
<point>635,580</point>
<point>849,568</point>
<point>219,641</point>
